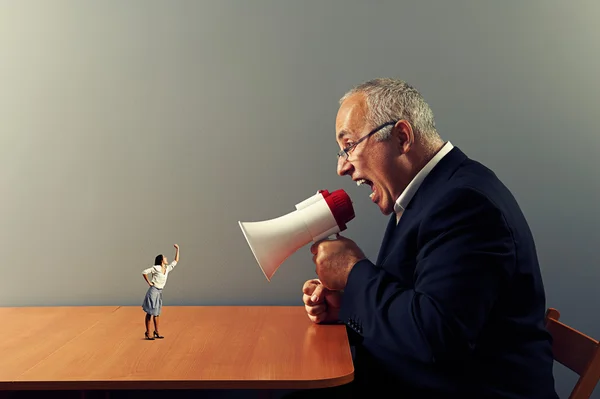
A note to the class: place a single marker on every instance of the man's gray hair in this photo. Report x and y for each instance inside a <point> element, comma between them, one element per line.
<point>391,100</point>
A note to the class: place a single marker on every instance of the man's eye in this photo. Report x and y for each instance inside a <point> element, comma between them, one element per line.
<point>348,146</point>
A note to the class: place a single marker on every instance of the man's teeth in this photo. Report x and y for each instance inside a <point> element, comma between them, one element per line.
<point>364,181</point>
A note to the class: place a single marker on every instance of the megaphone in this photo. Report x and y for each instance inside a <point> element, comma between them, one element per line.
<point>315,218</point>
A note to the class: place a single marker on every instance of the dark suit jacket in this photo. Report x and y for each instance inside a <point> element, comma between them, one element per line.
<point>454,306</point>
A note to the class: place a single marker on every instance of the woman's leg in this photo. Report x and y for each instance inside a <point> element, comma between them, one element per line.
<point>157,315</point>
<point>156,327</point>
<point>148,324</point>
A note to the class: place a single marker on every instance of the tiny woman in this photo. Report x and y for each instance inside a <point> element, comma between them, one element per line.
<point>152,304</point>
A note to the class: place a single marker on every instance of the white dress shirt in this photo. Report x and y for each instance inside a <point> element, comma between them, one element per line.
<point>410,190</point>
<point>158,278</point>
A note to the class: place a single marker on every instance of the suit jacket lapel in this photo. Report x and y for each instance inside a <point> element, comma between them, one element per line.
<point>389,232</point>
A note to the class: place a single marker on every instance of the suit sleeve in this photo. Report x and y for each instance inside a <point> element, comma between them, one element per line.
<point>466,255</point>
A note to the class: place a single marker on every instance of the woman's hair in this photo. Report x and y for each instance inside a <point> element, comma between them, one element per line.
<point>158,260</point>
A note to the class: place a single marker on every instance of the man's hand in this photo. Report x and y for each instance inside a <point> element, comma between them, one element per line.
<point>322,305</point>
<point>176,246</point>
<point>334,259</point>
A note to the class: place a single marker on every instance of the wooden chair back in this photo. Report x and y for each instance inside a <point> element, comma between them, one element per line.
<point>576,351</point>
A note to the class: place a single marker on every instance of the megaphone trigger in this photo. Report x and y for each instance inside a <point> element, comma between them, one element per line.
<point>332,237</point>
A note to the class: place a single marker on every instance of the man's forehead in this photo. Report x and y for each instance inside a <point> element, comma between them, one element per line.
<point>351,116</point>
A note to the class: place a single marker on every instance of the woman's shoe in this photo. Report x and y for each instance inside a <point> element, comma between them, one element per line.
<point>157,336</point>
<point>149,337</point>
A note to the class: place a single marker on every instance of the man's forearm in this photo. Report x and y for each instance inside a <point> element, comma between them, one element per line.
<point>400,319</point>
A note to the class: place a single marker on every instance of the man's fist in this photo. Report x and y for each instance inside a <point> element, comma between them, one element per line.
<point>334,259</point>
<point>322,305</point>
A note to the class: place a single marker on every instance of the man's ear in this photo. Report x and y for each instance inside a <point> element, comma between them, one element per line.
<point>403,135</point>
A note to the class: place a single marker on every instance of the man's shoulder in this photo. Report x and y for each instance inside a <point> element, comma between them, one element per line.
<point>471,189</point>
<point>458,174</point>
<point>474,180</point>
<point>475,174</point>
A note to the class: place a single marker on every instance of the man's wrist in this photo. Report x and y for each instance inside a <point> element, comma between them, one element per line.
<point>349,270</point>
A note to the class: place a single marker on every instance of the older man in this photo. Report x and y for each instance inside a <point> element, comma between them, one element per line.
<point>454,305</point>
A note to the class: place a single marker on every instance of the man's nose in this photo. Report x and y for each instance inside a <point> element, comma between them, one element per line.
<point>342,166</point>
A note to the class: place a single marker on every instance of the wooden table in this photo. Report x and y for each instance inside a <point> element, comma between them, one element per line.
<point>213,347</point>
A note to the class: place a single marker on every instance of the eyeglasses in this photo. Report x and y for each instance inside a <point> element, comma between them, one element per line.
<point>345,152</point>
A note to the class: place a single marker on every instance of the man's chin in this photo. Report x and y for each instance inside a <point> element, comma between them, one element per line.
<point>383,205</point>
<point>385,210</point>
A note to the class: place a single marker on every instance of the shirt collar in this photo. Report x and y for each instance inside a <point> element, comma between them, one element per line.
<point>410,190</point>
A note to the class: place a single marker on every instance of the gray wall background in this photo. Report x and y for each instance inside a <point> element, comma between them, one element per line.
<point>129,126</point>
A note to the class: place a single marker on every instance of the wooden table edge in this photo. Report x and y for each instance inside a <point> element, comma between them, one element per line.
<point>107,385</point>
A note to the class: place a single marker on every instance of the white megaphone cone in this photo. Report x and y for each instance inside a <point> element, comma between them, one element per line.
<point>273,241</point>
